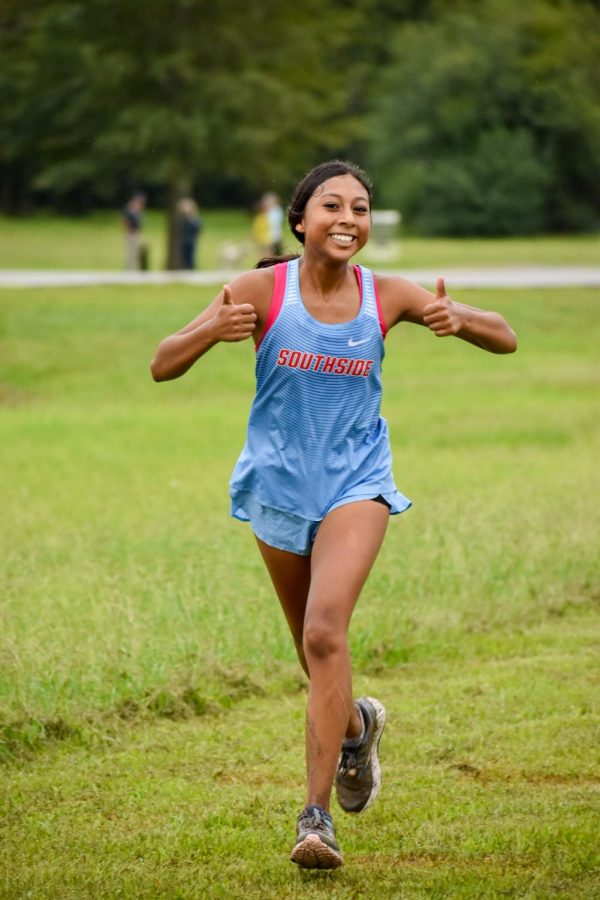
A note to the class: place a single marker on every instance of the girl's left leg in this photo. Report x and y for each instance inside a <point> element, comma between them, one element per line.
<point>346,546</point>
<point>291,578</point>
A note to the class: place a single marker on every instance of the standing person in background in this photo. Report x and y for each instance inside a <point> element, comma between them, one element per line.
<point>190,227</point>
<point>132,224</point>
<point>314,478</point>
<point>274,213</point>
<point>261,231</point>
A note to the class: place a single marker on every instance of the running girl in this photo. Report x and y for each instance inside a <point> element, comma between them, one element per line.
<point>314,478</point>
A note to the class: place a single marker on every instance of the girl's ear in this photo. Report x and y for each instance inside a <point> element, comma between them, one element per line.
<point>299,227</point>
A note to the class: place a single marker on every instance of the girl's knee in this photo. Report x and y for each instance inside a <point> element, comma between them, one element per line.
<point>322,639</point>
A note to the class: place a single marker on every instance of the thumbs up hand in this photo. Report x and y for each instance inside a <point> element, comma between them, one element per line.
<point>233,321</point>
<point>442,315</point>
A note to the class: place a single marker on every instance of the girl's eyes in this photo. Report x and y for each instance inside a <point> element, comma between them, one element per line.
<point>357,209</point>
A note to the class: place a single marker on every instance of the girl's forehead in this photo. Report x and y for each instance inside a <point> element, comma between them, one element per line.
<point>342,184</point>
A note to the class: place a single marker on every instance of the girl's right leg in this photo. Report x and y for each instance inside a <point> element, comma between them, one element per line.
<point>290,574</point>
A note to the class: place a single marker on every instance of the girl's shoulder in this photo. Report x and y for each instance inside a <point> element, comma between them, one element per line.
<point>389,284</point>
<point>391,289</point>
<point>400,299</point>
<point>255,287</point>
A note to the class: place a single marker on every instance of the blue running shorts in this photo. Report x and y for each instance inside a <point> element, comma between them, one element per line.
<point>282,530</point>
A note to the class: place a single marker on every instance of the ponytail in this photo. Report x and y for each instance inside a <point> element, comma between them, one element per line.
<point>267,261</point>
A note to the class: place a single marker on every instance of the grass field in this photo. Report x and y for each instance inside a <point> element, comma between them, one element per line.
<point>95,242</point>
<point>150,704</point>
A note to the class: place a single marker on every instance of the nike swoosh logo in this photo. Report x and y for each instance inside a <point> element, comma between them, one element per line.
<point>352,343</point>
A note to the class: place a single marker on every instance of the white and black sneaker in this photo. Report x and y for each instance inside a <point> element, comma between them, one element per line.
<point>358,776</point>
<point>316,846</point>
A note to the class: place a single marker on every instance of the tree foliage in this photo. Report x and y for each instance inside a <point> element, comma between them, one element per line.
<point>166,93</point>
<point>489,123</point>
<point>473,116</point>
<point>170,89</point>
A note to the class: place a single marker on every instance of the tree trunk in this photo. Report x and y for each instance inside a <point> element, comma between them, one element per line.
<point>15,189</point>
<point>178,188</point>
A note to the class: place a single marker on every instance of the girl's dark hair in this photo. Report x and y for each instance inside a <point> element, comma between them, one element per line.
<point>304,191</point>
<point>311,181</point>
<point>268,261</point>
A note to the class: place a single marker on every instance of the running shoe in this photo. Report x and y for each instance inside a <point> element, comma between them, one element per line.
<point>358,776</point>
<point>316,846</point>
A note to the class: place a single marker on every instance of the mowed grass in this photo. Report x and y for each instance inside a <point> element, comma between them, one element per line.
<point>489,790</point>
<point>151,707</point>
<point>95,242</point>
<point>125,582</point>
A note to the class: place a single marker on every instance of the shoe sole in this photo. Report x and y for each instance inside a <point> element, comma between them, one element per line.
<point>373,756</point>
<point>313,853</point>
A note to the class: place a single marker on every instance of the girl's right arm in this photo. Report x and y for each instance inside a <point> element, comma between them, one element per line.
<point>223,320</point>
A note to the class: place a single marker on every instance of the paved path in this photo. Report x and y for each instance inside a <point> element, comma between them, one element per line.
<point>492,277</point>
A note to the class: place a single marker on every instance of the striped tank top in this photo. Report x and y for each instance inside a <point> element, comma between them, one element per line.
<point>316,438</point>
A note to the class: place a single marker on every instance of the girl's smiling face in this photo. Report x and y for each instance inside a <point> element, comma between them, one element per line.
<point>337,217</point>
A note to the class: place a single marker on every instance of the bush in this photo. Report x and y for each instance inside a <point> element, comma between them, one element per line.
<point>485,121</point>
<point>497,190</point>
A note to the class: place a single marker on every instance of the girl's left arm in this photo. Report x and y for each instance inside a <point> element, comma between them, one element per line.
<point>403,301</point>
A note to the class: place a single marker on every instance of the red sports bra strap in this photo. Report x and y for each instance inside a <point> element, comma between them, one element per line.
<point>280,273</point>
<point>358,274</point>
<point>379,310</point>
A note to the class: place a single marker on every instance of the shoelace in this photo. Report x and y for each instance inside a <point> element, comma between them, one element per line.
<point>349,762</point>
<point>316,819</point>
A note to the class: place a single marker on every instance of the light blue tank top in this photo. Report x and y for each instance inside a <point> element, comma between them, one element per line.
<point>316,438</point>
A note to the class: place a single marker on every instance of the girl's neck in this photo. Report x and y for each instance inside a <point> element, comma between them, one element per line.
<point>324,278</point>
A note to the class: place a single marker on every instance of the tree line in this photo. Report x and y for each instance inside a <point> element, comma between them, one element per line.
<point>471,117</point>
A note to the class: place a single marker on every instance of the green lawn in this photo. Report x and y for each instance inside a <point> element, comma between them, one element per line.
<point>95,242</point>
<point>150,704</point>
<point>489,790</point>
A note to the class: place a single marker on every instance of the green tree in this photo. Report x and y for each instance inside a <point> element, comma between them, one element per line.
<point>487,119</point>
<point>172,92</point>
<point>20,129</point>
